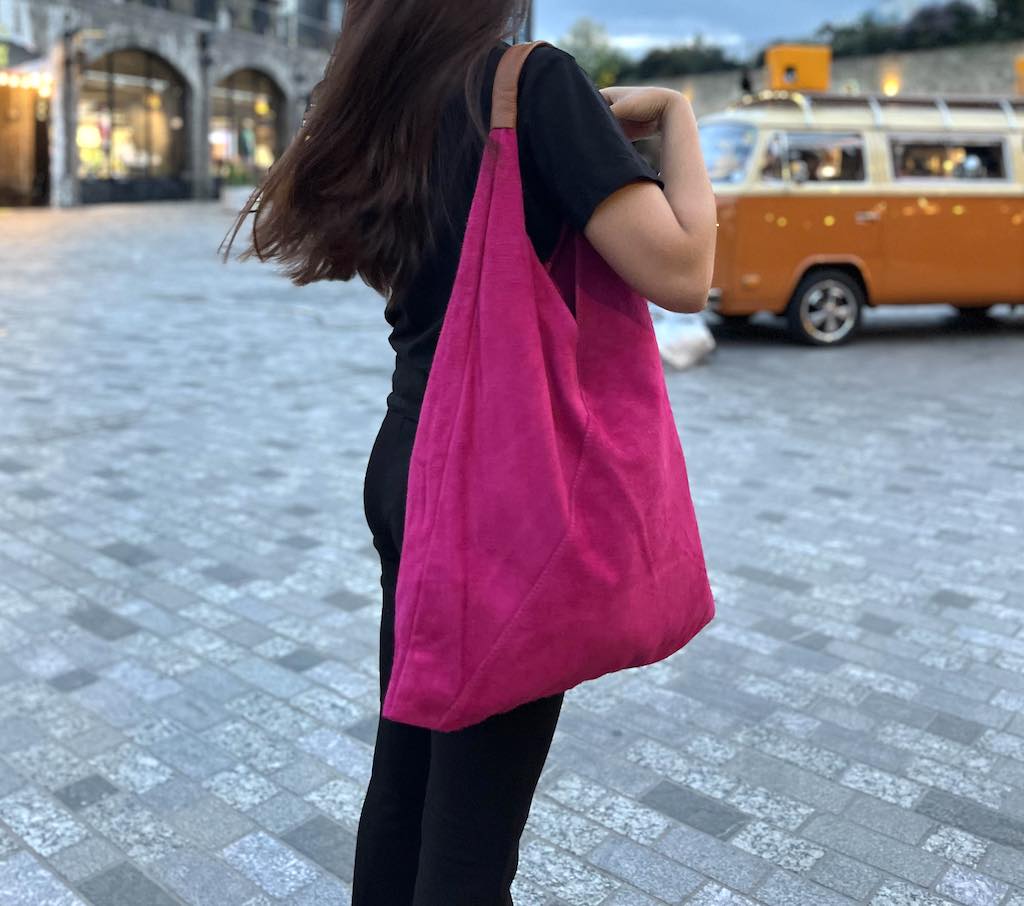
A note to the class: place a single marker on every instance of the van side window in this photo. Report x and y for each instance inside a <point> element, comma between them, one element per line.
<point>815,157</point>
<point>826,157</point>
<point>942,158</point>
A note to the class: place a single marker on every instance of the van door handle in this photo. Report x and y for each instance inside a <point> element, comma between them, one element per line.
<point>867,216</point>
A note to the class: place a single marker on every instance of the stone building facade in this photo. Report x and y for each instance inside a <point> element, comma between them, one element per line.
<point>113,100</point>
<point>972,69</point>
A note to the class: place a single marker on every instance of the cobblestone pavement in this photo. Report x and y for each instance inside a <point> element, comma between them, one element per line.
<point>189,610</point>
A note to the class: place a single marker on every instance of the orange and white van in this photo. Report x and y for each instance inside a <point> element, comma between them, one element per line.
<point>828,203</point>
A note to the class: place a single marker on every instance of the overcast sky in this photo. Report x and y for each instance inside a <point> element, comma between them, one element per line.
<point>636,25</point>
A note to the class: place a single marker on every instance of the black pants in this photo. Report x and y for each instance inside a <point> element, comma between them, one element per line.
<point>444,812</point>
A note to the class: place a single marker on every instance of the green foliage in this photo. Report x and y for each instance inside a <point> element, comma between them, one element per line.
<point>588,42</point>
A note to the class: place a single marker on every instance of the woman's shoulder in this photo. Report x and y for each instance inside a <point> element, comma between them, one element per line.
<point>549,60</point>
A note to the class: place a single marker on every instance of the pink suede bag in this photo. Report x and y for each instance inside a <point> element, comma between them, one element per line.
<point>549,534</point>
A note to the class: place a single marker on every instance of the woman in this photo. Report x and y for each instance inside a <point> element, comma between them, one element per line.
<point>378,184</point>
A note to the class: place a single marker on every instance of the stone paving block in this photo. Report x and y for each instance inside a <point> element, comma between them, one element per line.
<point>777,847</point>
<point>325,843</point>
<point>270,864</point>
<point>562,827</point>
<point>846,876</point>
<point>1005,863</point>
<point>132,768</point>
<point>209,823</point>
<point>632,819</point>
<point>900,893</point>
<point>324,891</point>
<point>39,822</point>
<point>964,885</point>
<point>785,889</point>
<point>124,885</point>
<point>135,830</point>
<point>241,787</point>
<point>72,679</point>
<point>282,812</point>
<point>85,791</point>
<point>694,809</point>
<point>957,846</point>
<point>341,752</point>
<point>192,755</point>
<point>102,622</point>
<point>646,869</point>
<point>874,849</point>
<point>202,880</point>
<point>25,882</point>
<point>83,860</point>
<point>564,875</point>
<point>893,821</point>
<point>713,857</point>
<point>342,800</point>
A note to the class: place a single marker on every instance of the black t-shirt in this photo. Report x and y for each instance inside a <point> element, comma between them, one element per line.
<point>573,154</point>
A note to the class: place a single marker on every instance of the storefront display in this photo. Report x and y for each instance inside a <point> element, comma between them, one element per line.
<point>130,132</point>
<point>245,126</point>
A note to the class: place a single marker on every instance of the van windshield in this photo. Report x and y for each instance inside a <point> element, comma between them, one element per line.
<point>727,148</point>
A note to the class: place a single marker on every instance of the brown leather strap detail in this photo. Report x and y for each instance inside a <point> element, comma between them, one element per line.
<point>506,84</point>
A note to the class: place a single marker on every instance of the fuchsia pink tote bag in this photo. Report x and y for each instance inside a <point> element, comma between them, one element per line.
<point>549,534</point>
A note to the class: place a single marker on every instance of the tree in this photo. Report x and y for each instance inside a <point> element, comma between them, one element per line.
<point>1009,17</point>
<point>588,42</point>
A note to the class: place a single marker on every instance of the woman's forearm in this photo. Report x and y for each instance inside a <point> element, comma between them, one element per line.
<point>687,187</point>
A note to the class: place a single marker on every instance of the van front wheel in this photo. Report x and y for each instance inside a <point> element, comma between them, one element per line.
<point>826,308</point>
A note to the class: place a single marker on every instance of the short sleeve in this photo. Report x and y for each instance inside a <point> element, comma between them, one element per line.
<point>570,138</point>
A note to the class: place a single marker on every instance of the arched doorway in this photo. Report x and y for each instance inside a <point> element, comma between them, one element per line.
<point>132,129</point>
<point>247,111</point>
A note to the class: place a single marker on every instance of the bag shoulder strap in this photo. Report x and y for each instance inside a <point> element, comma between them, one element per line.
<point>506,84</point>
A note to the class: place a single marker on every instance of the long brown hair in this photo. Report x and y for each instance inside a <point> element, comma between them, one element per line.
<point>351,194</point>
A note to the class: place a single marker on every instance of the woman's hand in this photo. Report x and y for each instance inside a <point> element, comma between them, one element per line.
<point>640,109</point>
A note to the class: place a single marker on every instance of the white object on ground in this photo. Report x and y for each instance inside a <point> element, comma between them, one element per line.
<point>684,340</point>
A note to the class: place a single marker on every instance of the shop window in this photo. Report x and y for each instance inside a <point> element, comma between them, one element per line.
<point>948,158</point>
<point>246,125</point>
<point>131,119</point>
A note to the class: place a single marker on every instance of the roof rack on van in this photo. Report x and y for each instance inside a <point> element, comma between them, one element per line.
<point>1012,108</point>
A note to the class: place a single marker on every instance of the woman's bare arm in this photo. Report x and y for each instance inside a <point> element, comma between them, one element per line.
<point>660,242</point>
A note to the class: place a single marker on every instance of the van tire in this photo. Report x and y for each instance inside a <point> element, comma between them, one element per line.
<point>833,296</point>
<point>974,312</point>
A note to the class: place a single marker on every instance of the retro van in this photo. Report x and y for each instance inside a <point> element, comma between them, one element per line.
<point>828,203</point>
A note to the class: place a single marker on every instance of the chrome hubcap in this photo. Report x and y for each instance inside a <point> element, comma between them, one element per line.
<point>828,311</point>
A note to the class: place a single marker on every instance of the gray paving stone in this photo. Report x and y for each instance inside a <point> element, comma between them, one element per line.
<point>900,893</point>
<point>85,791</point>
<point>83,860</point>
<point>846,876</point>
<point>645,869</point>
<point>25,882</point>
<point>972,817</point>
<point>713,858</point>
<point>209,823</point>
<point>324,842</point>
<point>874,849</point>
<point>201,880</point>
<point>785,889</point>
<point>970,887</point>
<point>39,822</point>
<point>103,623</point>
<point>700,812</point>
<point>72,679</point>
<point>124,885</point>
<point>270,864</point>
